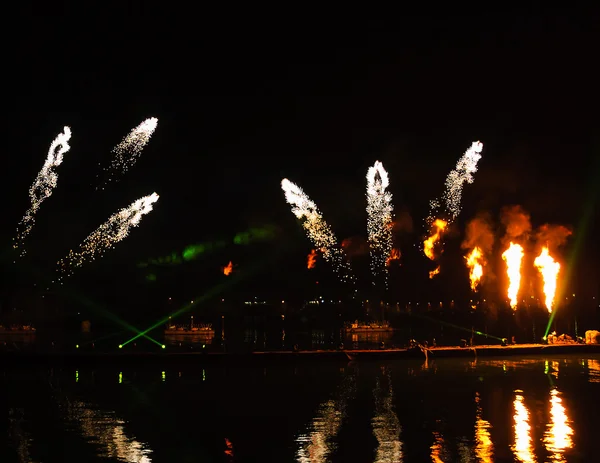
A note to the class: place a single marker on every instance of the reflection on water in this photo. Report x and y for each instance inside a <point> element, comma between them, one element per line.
<point>484,448</point>
<point>523,446</point>
<point>318,443</point>
<point>106,431</point>
<point>438,452</point>
<point>593,370</point>
<point>386,426</point>
<point>558,435</point>
<point>19,437</point>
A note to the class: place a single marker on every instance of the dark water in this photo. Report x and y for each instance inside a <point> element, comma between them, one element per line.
<point>530,410</point>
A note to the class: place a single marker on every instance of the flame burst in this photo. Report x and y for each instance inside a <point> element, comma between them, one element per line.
<point>312,259</point>
<point>115,229</point>
<point>437,229</point>
<point>513,257</point>
<point>475,264</point>
<point>128,151</point>
<point>395,254</point>
<point>318,231</point>
<point>549,269</point>
<point>379,218</point>
<point>228,269</point>
<point>434,272</point>
<point>43,185</point>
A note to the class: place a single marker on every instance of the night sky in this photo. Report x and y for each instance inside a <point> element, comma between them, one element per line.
<point>242,104</point>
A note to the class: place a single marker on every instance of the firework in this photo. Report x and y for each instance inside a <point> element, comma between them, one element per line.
<point>549,269</point>
<point>513,257</point>
<point>379,218</point>
<point>318,231</point>
<point>463,173</point>
<point>128,151</point>
<point>44,184</point>
<point>115,229</point>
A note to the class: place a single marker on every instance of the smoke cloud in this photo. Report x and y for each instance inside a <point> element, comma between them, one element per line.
<point>552,236</point>
<point>479,234</point>
<point>355,246</point>
<point>516,221</point>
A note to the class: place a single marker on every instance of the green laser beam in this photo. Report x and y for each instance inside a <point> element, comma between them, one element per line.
<point>199,300</point>
<point>462,328</point>
<point>81,299</point>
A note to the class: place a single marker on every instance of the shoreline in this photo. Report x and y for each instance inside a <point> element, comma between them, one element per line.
<point>56,358</point>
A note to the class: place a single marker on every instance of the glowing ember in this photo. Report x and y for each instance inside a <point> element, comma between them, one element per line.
<point>312,259</point>
<point>549,269</point>
<point>474,262</point>
<point>228,269</point>
<point>434,272</point>
<point>394,255</point>
<point>513,257</point>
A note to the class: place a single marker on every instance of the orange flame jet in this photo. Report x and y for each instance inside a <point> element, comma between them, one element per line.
<point>438,227</point>
<point>474,262</point>
<point>513,257</point>
<point>549,269</point>
<point>434,272</point>
<point>394,255</point>
<point>228,269</point>
<point>312,259</point>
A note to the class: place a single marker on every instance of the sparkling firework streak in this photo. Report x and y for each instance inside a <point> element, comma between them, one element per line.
<point>474,262</point>
<point>128,151</point>
<point>379,219</point>
<point>463,173</point>
<point>44,184</point>
<point>549,269</point>
<point>318,231</point>
<point>115,229</point>
<point>513,257</point>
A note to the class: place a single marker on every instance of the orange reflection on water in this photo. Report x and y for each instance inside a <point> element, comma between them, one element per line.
<point>523,446</point>
<point>593,371</point>
<point>558,435</point>
<point>437,449</point>
<point>484,448</point>
<point>386,426</point>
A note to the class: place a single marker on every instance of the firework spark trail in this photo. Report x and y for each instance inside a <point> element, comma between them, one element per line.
<point>128,151</point>
<point>379,219</point>
<point>318,231</point>
<point>513,257</point>
<point>115,229</point>
<point>44,184</point>
<point>549,269</point>
<point>463,173</point>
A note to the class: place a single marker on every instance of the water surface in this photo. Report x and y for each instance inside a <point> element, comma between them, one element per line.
<point>451,410</point>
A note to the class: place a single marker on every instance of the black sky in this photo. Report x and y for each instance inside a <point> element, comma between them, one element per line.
<point>243,103</point>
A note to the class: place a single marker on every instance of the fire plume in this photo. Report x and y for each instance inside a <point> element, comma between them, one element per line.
<point>394,255</point>
<point>434,272</point>
<point>475,264</point>
<point>549,269</point>
<point>513,257</point>
<point>311,260</point>
<point>437,228</point>
<point>228,269</point>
